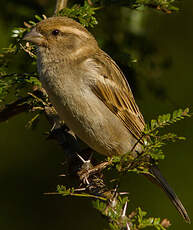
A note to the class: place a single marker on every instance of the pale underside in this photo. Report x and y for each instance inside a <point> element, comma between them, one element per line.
<point>99,107</point>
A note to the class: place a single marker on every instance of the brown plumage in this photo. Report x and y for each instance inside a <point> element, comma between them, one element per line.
<point>115,92</point>
<point>90,92</point>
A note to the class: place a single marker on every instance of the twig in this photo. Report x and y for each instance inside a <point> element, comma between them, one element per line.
<point>27,49</point>
<point>22,105</point>
<point>13,109</point>
<point>87,173</point>
<point>78,195</point>
<point>60,4</point>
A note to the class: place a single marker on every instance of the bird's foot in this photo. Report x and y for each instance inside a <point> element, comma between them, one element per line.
<point>92,176</point>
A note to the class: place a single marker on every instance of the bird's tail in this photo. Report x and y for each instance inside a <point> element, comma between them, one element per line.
<point>158,179</point>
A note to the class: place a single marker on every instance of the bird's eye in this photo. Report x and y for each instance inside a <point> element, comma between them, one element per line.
<point>55,32</point>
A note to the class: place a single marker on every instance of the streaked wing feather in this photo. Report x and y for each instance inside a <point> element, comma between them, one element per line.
<point>113,89</point>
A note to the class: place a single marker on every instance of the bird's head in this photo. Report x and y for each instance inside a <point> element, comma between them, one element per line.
<point>60,34</point>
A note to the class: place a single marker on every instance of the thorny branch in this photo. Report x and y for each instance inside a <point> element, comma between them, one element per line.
<point>14,108</point>
<point>70,144</point>
<point>90,177</point>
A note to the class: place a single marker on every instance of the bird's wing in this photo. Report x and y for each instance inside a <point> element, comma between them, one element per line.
<point>113,89</point>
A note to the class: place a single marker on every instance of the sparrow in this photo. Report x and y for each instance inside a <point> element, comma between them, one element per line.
<point>90,93</point>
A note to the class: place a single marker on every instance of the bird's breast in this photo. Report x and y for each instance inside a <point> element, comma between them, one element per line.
<point>84,113</point>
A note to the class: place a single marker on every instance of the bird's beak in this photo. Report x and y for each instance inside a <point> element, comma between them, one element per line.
<point>34,37</point>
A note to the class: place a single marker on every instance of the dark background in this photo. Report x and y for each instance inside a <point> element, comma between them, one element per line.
<point>30,165</point>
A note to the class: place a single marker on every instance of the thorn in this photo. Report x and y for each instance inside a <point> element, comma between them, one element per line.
<point>86,164</point>
<point>124,210</point>
<point>44,16</point>
<point>82,159</point>
<point>53,127</point>
<point>114,197</point>
<point>79,189</point>
<point>86,180</point>
<point>128,228</point>
<point>123,193</point>
<point>62,175</point>
<point>115,191</point>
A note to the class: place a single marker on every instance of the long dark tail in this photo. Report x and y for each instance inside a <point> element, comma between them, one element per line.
<point>158,179</point>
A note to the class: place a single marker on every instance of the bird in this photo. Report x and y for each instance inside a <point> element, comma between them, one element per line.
<point>90,92</point>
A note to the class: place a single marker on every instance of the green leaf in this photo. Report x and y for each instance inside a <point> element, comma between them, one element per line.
<point>83,14</point>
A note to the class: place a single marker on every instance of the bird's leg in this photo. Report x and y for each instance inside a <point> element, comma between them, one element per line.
<point>88,170</point>
<point>92,176</point>
<point>85,167</point>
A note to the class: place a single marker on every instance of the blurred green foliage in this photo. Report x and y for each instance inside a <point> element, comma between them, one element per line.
<point>84,14</point>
